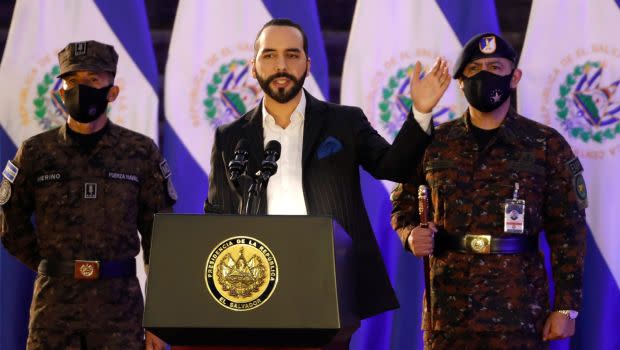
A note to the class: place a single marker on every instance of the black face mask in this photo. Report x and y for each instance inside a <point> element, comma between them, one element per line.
<point>85,103</point>
<point>486,91</point>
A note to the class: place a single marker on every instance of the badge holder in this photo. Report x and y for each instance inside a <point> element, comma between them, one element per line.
<point>514,213</point>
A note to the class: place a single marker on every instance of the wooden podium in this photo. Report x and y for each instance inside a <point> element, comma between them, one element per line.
<point>257,281</point>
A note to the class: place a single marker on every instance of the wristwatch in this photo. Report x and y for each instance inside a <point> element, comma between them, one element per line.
<point>571,314</point>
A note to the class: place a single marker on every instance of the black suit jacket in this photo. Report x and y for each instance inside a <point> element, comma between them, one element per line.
<point>336,141</point>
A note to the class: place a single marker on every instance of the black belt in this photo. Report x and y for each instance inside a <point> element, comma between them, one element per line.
<point>485,244</point>
<point>88,269</point>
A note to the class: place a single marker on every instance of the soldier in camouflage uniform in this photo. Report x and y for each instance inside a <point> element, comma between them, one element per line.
<point>488,286</point>
<point>91,186</point>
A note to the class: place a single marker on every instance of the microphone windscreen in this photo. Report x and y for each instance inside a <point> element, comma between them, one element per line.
<point>274,147</point>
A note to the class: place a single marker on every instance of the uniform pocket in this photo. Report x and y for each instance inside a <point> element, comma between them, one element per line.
<point>441,177</point>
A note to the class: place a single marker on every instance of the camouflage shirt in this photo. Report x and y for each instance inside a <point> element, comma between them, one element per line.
<point>468,187</point>
<point>87,204</point>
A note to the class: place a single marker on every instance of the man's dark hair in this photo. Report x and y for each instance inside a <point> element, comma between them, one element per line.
<point>284,22</point>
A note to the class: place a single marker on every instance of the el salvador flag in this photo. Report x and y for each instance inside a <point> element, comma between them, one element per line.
<point>209,83</point>
<point>571,75</point>
<point>387,38</point>
<point>30,104</point>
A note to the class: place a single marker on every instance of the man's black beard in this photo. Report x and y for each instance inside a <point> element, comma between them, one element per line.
<point>281,95</point>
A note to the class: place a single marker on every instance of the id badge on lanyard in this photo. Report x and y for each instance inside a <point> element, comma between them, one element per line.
<point>514,213</point>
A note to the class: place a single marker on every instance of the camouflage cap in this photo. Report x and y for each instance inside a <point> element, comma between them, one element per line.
<point>89,56</point>
<point>482,46</point>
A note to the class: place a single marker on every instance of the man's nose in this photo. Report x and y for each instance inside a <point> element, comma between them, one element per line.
<point>281,64</point>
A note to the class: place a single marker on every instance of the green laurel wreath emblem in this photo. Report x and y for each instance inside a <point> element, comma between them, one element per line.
<point>390,118</point>
<point>565,116</point>
<point>43,87</point>
<point>213,87</point>
<point>388,92</point>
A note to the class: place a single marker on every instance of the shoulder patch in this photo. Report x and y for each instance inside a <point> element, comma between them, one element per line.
<point>165,169</point>
<point>574,165</point>
<point>172,192</point>
<point>5,191</point>
<point>10,171</point>
<point>580,189</point>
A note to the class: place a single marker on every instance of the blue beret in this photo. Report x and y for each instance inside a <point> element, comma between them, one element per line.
<point>482,46</point>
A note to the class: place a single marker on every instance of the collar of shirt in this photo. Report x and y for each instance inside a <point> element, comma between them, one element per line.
<point>298,114</point>
<point>509,130</point>
<point>110,137</point>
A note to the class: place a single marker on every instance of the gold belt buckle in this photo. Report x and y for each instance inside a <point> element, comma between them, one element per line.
<point>86,269</point>
<point>479,244</point>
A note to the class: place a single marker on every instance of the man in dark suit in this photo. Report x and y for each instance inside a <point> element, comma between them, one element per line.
<point>323,145</point>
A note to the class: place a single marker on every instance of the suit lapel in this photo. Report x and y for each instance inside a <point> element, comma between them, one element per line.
<point>314,122</point>
<point>253,132</point>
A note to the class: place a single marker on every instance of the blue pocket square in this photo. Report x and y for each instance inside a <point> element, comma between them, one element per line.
<point>330,146</point>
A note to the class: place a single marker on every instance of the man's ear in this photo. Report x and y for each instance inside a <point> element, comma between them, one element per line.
<point>516,77</point>
<point>61,92</point>
<point>113,93</point>
<point>253,67</point>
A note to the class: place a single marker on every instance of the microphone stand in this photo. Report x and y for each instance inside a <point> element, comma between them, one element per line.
<point>252,194</point>
<point>259,183</point>
<point>260,180</point>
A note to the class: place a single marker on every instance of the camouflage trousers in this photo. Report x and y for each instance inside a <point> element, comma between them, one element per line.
<point>100,339</point>
<point>438,340</point>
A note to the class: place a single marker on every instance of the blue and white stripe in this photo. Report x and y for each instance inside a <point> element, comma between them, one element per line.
<point>570,59</point>
<point>386,38</point>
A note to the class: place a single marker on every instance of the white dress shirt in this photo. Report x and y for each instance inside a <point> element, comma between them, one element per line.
<point>285,195</point>
<point>423,119</point>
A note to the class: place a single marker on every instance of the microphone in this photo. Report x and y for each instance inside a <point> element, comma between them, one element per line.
<point>269,166</point>
<point>237,166</point>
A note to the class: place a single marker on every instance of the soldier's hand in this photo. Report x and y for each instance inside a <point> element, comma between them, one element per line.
<point>421,240</point>
<point>153,343</point>
<point>558,326</point>
<point>427,91</point>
